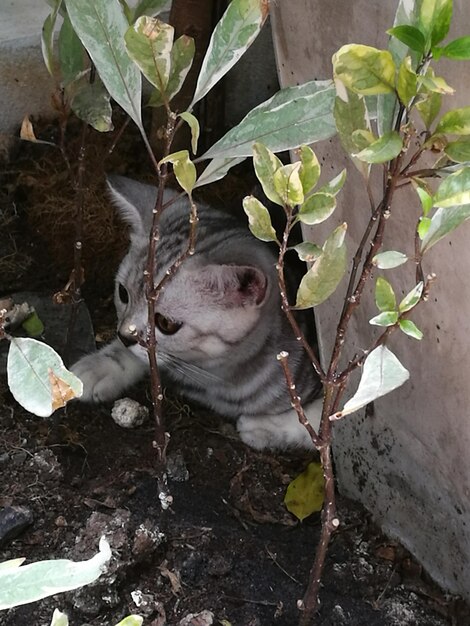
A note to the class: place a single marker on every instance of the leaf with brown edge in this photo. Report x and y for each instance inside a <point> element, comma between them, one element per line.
<point>61,392</point>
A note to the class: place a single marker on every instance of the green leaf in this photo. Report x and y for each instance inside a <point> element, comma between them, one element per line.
<point>307,251</point>
<point>47,37</point>
<point>37,377</point>
<point>381,374</point>
<point>405,15</point>
<point>350,116</point>
<point>194,126</point>
<point>324,276</point>
<point>71,53</point>
<point>454,190</point>
<point>90,102</point>
<point>455,122</point>
<point>317,208</point>
<point>184,169</point>
<point>434,19</point>
<point>216,170</point>
<point>436,84</point>
<point>305,494</point>
<point>383,149</point>
<point>292,117</point>
<point>411,36</point>
<point>32,582</point>
<point>362,139</point>
<point>410,328</point>
<point>288,185</point>
<point>101,26</point>
<point>443,222</point>
<point>458,49</point>
<point>365,70</point>
<point>181,60</point>
<point>266,165</point>
<point>131,620</point>
<point>386,318</point>
<point>429,107</point>
<point>33,325</point>
<point>310,169</point>
<point>149,42</point>
<point>458,151</point>
<point>335,185</point>
<point>389,259</point>
<point>150,7</point>
<point>384,295</point>
<point>259,219</point>
<point>387,108</point>
<point>232,36</point>
<point>407,82</point>
<point>127,11</point>
<point>425,198</point>
<point>412,298</point>
<point>423,227</point>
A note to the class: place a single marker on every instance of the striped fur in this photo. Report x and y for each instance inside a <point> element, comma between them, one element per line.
<point>225,298</point>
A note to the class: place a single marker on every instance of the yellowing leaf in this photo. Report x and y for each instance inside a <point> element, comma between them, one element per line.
<point>310,169</point>
<point>288,185</point>
<point>61,392</point>
<point>184,169</point>
<point>305,494</point>
<point>365,70</point>
<point>259,219</point>
<point>266,165</point>
<point>326,273</point>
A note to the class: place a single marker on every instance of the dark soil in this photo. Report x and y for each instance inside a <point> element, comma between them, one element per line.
<point>227,546</point>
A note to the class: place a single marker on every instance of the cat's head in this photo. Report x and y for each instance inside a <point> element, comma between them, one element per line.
<point>214,300</point>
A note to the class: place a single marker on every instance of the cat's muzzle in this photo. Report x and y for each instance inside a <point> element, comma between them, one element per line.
<point>127,339</point>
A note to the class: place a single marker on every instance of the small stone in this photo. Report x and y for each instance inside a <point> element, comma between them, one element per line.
<point>13,521</point>
<point>128,413</point>
<point>204,618</point>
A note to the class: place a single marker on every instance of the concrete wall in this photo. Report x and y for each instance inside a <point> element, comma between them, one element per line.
<point>409,462</point>
<point>25,85</point>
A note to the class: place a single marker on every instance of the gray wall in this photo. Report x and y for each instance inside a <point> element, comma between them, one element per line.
<point>409,463</point>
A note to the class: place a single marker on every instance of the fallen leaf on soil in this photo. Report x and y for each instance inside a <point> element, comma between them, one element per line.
<point>173,577</point>
<point>305,494</point>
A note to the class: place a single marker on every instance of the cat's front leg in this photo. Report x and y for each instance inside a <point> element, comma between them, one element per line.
<point>279,431</point>
<point>107,373</point>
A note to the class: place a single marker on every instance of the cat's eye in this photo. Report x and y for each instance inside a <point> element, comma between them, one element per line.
<point>123,295</point>
<point>165,325</point>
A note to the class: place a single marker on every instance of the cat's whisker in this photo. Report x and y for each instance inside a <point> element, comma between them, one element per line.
<point>189,370</point>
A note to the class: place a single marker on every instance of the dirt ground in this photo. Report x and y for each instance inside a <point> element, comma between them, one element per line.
<point>227,552</point>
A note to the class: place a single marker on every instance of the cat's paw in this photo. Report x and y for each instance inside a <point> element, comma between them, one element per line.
<point>107,373</point>
<point>279,431</point>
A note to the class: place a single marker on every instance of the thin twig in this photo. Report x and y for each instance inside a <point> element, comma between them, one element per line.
<point>284,299</point>
<point>77,272</point>
<point>296,402</point>
<point>273,558</point>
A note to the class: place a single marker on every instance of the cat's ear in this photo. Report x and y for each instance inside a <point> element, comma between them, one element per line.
<point>235,285</point>
<point>134,201</point>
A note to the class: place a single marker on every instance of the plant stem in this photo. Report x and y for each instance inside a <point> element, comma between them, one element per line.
<point>160,441</point>
<point>153,291</point>
<point>330,521</point>
<point>76,279</point>
<point>284,299</point>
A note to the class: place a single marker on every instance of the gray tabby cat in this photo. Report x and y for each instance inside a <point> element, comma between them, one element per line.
<point>219,323</point>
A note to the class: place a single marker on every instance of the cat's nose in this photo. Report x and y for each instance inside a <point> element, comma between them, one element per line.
<point>127,338</point>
